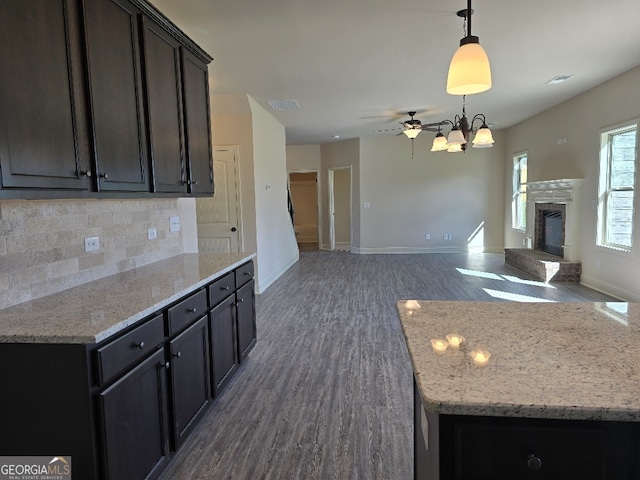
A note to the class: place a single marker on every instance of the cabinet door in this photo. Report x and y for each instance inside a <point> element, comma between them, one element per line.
<point>190,377</point>
<point>43,133</point>
<point>246,311</point>
<point>224,346</point>
<point>195,88</point>
<point>116,94</point>
<point>134,422</point>
<point>164,108</point>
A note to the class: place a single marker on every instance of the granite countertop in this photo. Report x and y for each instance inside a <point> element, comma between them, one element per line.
<point>548,360</point>
<point>94,311</point>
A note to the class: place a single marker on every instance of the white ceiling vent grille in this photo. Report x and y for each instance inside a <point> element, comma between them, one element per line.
<point>284,104</point>
<point>558,79</point>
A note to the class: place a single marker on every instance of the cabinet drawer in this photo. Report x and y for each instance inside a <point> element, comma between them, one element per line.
<point>129,348</point>
<point>221,289</point>
<point>244,273</point>
<point>523,452</point>
<point>188,310</point>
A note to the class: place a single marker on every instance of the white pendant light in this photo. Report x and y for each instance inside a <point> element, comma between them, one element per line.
<point>455,148</point>
<point>469,71</point>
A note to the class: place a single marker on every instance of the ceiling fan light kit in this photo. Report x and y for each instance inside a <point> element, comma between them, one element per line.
<point>469,70</point>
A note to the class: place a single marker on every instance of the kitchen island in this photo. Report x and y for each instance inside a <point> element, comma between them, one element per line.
<point>116,373</point>
<point>536,390</point>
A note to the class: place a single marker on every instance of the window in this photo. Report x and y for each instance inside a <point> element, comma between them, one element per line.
<point>618,153</point>
<point>519,192</point>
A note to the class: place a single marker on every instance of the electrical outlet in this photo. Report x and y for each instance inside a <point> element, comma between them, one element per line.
<point>174,224</point>
<point>427,236</point>
<point>91,244</point>
<point>152,234</point>
<point>447,236</point>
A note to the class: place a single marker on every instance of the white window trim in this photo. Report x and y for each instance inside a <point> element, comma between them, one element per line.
<point>603,181</point>
<point>516,158</point>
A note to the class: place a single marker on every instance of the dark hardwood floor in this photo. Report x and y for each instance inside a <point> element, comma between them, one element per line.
<point>327,392</point>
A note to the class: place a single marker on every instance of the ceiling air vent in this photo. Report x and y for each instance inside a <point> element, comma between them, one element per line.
<point>558,79</point>
<point>284,104</point>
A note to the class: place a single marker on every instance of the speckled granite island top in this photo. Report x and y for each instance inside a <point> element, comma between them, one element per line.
<point>547,360</point>
<point>94,311</point>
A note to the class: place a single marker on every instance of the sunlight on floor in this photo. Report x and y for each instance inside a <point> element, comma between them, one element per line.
<point>477,273</point>
<point>510,278</point>
<point>514,297</point>
<point>535,283</point>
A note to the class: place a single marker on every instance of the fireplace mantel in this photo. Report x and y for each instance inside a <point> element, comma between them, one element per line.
<point>567,192</point>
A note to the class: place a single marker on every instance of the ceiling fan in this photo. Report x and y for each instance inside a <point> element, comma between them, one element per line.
<point>412,127</point>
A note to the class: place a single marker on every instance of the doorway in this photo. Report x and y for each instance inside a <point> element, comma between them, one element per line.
<point>339,180</point>
<point>304,196</point>
<point>219,217</point>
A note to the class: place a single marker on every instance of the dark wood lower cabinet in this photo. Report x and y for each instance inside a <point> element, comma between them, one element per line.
<point>224,346</point>
<point>466,447</point>
<point>134,422</point>
<point>246,311</point>
<point>120,408</point>
<point>190,379</point>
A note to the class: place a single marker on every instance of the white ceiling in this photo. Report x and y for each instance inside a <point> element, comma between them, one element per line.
<point>356,66</point>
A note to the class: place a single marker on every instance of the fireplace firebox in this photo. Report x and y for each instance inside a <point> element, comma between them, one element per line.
<point>552,232</point>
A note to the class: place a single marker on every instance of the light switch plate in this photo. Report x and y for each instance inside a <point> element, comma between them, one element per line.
<point>174,224</point>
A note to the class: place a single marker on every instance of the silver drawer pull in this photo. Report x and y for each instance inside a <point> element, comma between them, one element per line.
<point>224,288</point>
<point>240,300</point>
<point>139,345</point>
<point>192,310</point>
<point>177,355</point>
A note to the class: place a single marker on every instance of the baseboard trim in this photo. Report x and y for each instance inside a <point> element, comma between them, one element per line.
<point>408,250</point>
<point>261,286</point>
<point>608,289</point>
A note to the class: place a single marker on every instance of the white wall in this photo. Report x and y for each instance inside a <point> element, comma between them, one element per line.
<point>303,158</point>
<point>232,124</point>
<point>341,154</point>
<point>434,193</point>
<point>276,245</point>
<point>580,120</point>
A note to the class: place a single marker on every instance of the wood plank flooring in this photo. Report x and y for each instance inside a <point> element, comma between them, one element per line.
<point>327,392</point>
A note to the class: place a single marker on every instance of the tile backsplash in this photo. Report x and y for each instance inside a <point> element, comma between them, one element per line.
<point>42,242</point>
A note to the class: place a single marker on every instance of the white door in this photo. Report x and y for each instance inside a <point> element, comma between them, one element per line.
<point>218,217</point>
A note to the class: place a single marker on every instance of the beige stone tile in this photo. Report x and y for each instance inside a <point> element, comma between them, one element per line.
<point>27,276</point>
<point>74,222</point>
<point>103,219</point>
<point>91,260</point>
<point>63,268</point>
<point>42,225</point>
<point>4,282</point>
<point>3,246</point>
<point>13,296</point>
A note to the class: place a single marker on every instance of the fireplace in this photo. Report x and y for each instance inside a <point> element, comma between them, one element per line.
<point>549,228</point>
<point>562,200</point>
<point>552,240</point>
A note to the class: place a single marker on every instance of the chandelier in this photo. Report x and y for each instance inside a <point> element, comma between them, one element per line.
<point>469,71</point>
<point>458,137</point>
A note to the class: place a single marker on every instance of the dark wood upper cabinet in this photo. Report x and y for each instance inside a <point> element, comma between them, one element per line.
<point>43,128</point>
<point>115,87</point>
<point>101,96</point>
<point>164,108</point>
<point>195,87</point>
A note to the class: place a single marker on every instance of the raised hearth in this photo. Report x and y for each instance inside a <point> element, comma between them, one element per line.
<point>542,265</point>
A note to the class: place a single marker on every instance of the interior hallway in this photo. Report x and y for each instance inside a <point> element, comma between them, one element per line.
<point>327,393</point>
